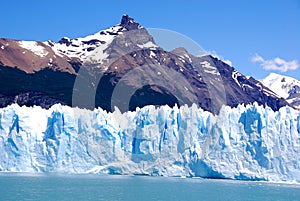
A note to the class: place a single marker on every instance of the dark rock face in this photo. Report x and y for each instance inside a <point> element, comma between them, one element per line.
<point>65,41</point>
<point>93,42</point>
<point>189,83</point>
<point>240,90</point>
<point>294,92</point>
<point>129,23</point>
<point>44,88</point>
<point>152,95</point>
<point>30,99</point>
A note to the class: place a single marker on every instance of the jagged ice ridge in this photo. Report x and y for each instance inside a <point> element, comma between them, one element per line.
<point>248,142</point>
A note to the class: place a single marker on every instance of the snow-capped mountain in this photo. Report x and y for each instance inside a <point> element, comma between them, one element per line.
<point>285,86</point>
<point>95,48</point>
<point>32,56</point>
<point>125,55</point>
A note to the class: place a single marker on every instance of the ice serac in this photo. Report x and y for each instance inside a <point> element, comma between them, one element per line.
<point>248,142</point>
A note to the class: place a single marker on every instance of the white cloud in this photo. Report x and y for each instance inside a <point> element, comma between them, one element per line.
<point>257,58</point>
<point>277,63</point>
<point>227,62</point>
<point>214,54</point>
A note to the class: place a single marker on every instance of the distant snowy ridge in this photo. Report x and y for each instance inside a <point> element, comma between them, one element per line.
<point>285,86</point>
<point>248,142</point>
<point>281,84</point>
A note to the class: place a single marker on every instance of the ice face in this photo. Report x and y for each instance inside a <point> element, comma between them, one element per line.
<point>248,142</point>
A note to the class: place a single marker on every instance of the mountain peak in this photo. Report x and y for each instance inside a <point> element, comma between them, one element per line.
<point>285,86</point>
<point>129,23</point>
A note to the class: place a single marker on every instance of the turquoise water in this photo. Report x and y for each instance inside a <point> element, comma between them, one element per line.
<point>42,187</point>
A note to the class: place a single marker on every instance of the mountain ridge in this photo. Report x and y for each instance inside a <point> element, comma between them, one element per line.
<point>108,57</point>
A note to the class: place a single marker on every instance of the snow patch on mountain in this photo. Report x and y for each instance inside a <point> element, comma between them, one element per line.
<point>235,75</point>
<point>34,47</point>
<point>88,49</point>
<point>208,68</point>
<point>147,45</point>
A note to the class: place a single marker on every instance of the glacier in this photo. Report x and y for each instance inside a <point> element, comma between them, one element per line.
<point>249,142</point>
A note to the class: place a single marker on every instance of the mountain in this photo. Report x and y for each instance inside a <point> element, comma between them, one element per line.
<point>121,66</point>
<point>286,87</point>
<point>246,143</point>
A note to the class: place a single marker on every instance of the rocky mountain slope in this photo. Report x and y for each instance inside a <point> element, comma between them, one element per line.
<point>121,66</point>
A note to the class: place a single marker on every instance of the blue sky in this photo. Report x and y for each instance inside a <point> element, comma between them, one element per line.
<point>239,31</point>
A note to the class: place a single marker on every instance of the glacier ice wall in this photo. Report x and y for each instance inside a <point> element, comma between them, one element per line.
<point>248,142</point>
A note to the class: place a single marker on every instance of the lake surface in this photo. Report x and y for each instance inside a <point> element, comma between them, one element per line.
<point>46,187</point>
